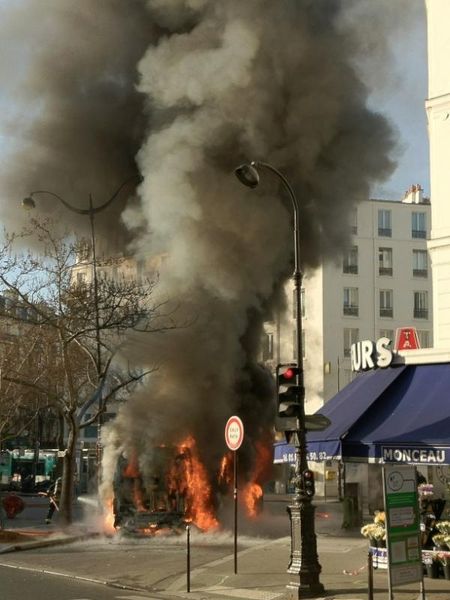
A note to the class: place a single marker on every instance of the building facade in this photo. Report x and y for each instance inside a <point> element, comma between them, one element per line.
<point>381,282</point>
<point>438,114</point>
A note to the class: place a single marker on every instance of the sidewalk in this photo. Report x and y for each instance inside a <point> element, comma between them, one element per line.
<point>158,565</point>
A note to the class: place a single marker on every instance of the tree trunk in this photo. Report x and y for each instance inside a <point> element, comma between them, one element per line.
<point>68,477</point>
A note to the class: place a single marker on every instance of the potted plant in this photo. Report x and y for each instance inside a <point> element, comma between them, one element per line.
<point>444,559</point>
<point>432,566</point>
<point>443,527</point>
<point>440,541</point>
<point>376,531</point>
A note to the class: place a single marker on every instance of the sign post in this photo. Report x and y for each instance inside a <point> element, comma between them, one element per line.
<point>401,504</point>
<point>234,436</point>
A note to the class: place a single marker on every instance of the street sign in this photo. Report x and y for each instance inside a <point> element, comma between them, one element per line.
<point>234,433</point>
<point>312,423</point>
<point>402,525</point>
<point>316,422</point>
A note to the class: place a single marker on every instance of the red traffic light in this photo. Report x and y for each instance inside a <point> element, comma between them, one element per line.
<point>289,373</point>
<point>308,474</point>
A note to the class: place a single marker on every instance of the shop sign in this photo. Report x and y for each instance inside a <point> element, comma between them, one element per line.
<point>402,525</point>
<point>415,455</point>
<point>369,355</point>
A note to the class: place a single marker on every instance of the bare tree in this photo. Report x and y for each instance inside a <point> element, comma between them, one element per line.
<point>76,330</point>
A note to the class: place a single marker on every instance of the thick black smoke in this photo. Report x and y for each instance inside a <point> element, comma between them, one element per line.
<point>184,91</point>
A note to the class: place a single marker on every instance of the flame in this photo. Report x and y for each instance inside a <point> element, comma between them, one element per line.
<point>226,469</point>
<point>195,487</point>
<point>252,492</point>
<point>108,517</point>
<point>251,495</point>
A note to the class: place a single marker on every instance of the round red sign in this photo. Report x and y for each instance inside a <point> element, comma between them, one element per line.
<point>234,433</point>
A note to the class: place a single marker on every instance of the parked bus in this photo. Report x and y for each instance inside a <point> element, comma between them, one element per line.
<point>20,471</point>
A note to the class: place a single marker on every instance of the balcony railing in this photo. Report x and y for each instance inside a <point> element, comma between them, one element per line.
<point>384,232</point>
<point>419,233</point>
<point>353,269</point>
<point>421,313</point>
<point>351,311</point>
<point>385,271</point>
<point>420,272</point>
<point>386,312</point>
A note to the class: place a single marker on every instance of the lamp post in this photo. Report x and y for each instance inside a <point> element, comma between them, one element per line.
<point>304,562</point>
<point>90,211</point>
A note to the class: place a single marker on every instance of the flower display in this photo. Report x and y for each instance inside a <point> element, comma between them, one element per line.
<point>425,490</point>
<point>443,527</point>
<point>375,530</point>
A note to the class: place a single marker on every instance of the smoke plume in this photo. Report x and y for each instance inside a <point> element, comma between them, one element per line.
<point>183,91</point>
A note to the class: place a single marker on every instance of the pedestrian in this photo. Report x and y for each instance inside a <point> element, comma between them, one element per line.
<point>54,494</point>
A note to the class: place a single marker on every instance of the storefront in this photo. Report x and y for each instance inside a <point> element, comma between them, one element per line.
<point>397,414</point>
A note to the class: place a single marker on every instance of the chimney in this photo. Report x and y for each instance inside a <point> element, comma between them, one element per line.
<point>414,195</point>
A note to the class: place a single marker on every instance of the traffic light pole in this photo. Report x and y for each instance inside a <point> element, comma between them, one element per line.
<point>304,566</point>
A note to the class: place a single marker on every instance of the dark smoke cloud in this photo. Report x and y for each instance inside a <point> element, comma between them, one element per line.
<point>186,90</point>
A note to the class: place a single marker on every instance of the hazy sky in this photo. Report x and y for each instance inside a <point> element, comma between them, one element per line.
<point>404,102</point>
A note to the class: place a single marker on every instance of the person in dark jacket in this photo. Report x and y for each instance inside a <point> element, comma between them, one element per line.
<point>54,494</point>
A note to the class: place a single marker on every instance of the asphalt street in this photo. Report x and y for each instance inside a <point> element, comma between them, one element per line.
<point>156,567</point>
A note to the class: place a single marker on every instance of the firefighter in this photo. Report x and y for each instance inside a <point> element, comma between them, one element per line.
<point>54,494</point>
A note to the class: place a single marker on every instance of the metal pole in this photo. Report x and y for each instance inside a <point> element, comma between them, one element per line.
<point>304,561</point>
<point>369,577</point>
<point>188,558</point>
<point>235,495</point>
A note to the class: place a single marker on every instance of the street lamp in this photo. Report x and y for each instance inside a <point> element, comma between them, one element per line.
<point>304,561</point>
<point>29,203</point>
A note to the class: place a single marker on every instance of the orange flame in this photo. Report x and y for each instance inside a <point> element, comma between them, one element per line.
<point>196,487</point>
<point>108,517</point>
<point>226,469</point>
<point>251,494</point>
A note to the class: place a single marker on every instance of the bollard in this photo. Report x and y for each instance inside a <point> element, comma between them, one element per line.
<point>369,576</point>
<point>188,558</point>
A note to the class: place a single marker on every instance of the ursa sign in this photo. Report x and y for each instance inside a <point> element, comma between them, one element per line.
<point>368,355</point>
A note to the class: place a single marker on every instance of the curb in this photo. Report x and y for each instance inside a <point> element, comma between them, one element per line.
<point>45,543</point>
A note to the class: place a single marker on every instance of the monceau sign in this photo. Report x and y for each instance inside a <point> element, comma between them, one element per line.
<point>369,355</point>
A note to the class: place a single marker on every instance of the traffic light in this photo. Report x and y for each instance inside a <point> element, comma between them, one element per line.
<point>289,390</point>
<point>308,483</point>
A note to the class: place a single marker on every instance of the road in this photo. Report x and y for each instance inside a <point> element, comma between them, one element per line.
<point>17,583</point>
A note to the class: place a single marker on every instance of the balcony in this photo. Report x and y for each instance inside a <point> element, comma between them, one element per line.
<point>419,234</point>
<point>421,313</point>
<point>386,312</point>
<point>420,272</point>
<point>383,232</point>
<point>353,269</point>
<point>351,311</point>
<point>385,271</point>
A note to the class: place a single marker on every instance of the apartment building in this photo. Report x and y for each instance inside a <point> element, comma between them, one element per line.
<point>381,282</point>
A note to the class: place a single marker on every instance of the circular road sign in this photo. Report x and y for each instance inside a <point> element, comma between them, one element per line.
<point>234,433</point>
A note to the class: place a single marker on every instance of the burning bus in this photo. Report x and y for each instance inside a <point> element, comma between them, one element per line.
<point>170,493</point>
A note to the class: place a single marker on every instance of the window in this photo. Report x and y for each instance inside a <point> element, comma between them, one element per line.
<point>384,223</point>
<point>421,305</point>
<point>354,221</point>
<point>424,338</point>
<point>294,339</point>
<point>294,303</point>
<point>385,261</point>
<point>350,262</point>
<point>351,302</point>
<point>386,303</point>
<point>420,263</point>
<point>387,333</point>
<point>267,346</point>
<point>419,225</point>
<point>351,336</point>
<point>81,277</point>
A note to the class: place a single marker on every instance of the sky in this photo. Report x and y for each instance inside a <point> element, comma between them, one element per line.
<point>403,101</point>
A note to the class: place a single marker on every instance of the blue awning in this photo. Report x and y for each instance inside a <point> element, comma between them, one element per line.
<point>398,414</point>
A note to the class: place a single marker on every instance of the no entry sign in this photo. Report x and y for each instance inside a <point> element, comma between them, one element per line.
<point>234,433</point>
